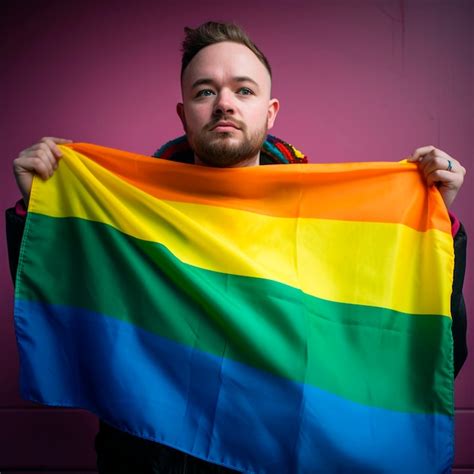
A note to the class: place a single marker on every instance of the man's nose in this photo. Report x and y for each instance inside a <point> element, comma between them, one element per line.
<point>224,103</point>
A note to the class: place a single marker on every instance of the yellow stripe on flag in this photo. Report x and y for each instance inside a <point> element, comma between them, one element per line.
<point>330,259</point>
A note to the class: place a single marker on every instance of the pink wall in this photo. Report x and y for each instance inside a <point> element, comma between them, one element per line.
<point>358,81</point>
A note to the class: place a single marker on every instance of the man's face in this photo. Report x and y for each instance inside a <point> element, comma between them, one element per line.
<point>226,110</point>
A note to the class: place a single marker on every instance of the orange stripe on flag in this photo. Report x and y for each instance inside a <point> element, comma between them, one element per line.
<point>240,189</point>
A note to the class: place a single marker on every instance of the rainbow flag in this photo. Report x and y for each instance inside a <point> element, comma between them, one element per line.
<point>274,319</point>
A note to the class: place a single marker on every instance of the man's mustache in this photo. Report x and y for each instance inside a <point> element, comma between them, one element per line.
<point>236,123</point>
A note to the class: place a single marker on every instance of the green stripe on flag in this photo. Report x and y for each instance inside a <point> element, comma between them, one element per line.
<point>365,354</point>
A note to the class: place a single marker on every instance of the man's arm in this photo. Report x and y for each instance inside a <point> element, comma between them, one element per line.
<point>15,225</point>
<point>39,159</point>
<point>458,307</point>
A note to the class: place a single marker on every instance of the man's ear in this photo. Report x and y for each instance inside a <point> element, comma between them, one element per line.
<point>273,108</point>
<point>180,112</point>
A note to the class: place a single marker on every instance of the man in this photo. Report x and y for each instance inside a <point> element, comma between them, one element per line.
<point>226,112</point>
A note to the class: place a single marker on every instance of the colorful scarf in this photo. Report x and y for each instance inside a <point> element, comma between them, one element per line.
<point>274,151</point>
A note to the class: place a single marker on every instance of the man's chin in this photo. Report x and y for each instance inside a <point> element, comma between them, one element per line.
<point>222,156</point>
<point>221,162</point>
<point>227,136</point>
<point>227,143</point>
<point>225,149</point>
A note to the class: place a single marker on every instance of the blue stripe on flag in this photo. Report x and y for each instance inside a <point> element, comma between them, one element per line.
<point>212,407</point>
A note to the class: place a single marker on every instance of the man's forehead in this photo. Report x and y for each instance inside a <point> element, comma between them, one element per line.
<point>225,59</point>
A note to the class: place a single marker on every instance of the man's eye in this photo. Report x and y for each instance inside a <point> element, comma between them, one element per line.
<point>245,91</point>
<point>204,93</point>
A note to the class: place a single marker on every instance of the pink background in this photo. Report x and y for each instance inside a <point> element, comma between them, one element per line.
<point>358,81</point>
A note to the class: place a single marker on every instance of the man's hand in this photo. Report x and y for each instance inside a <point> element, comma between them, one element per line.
<point>41,159</point>
<point>441,170</point>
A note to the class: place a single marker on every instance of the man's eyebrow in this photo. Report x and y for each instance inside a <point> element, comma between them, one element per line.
<point>208,81</point>
<point>245,79</point>
<point>204,81</point>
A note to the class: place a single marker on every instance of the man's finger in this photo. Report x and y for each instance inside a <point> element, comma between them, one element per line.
<point>49,156</point>
<point>52,141</point>
<point>431,164</point>
<point>45,155</point>
<point>53,147</point>
<point>57,140</point>
<point>444,178</point>
<point>37,165</point>
<point>43,167</point>
<point>420,152</point>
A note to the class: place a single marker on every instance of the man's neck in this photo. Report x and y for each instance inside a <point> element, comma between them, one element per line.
<point>255,161</point>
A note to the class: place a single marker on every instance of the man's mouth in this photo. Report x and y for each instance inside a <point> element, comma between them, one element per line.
<point>225,126</point>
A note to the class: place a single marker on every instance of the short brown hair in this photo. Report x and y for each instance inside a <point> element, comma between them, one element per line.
<point>212,33</point>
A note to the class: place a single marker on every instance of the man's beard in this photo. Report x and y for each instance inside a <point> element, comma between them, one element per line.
<point>219,149</point>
